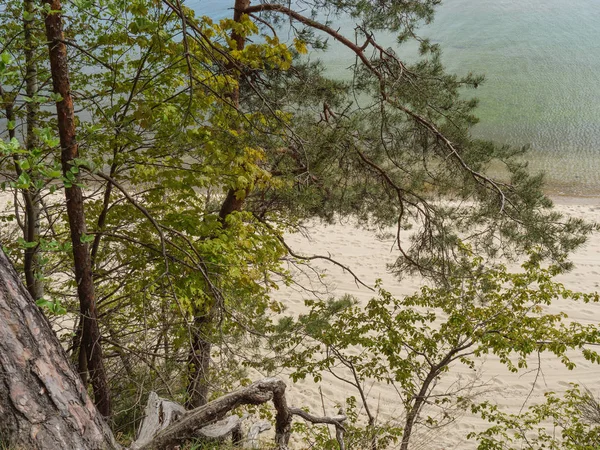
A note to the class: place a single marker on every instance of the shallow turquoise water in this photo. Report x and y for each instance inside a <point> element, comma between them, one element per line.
<point>541,59</point>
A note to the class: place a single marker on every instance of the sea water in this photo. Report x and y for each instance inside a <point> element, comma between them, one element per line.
<point>541,60</point>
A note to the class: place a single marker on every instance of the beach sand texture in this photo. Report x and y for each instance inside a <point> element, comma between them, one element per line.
<point>367,256</point>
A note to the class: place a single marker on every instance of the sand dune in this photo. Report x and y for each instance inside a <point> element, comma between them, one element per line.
<point>367,257</point>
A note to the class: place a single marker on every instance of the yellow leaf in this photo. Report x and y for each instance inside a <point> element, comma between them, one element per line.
<point>300,46</point>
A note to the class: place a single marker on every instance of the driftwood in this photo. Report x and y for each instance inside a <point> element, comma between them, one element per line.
<point>254,431</point>
<point>221,429</point>
<point>189,426</point>
<point>161,413</point>
<point>174,427</point>
<point>158,415</point>
<point>44,405</point>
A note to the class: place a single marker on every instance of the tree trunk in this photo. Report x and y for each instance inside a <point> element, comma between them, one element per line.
<point>30,232</point>
<point>43,404</point>
<point>198,363</point>
<point>234,202</point>
<point>90,338</point>
<point>32,260</point>
<point>419,401</point>
<point>200,347</point>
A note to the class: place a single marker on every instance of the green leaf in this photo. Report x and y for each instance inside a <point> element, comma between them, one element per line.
<point>56,97</point>
<point>86,238</point>
<point>24,181</point>
<point>27,16</point>
<point>24,164</point>
<point>43,303</point>
<point>53,307</point>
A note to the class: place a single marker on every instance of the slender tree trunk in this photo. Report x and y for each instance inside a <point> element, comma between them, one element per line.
<point>32,257</point>
<point>90,337</point>
<point>79,356</point>
<point>43,404</point>
<point>33,268</point>
<point>198,364</point>
<point>200,346</point>
<point>233,202</point>
<point>31,218</point>
<point>413,413</point>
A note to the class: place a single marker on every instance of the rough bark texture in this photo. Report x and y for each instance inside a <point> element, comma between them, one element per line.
<point>90,337</point>
<point>43,404</point>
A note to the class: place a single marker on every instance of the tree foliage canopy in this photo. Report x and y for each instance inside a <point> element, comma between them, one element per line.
<point>202,142</point>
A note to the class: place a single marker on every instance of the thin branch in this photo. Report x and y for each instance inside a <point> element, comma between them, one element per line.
<point>83,50</point>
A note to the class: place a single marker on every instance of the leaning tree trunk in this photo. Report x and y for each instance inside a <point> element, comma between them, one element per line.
<point>43,403</point>
<point>90,332</point>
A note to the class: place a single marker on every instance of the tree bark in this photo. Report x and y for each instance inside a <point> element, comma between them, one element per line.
<point>90,338</point>
<point>31,255</point>
<point>32,260</point>
<point>43,403</point>
<point>233,202</point>
<point>199,363</point>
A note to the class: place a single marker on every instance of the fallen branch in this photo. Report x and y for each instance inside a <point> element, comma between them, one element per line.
<point>167,424</point>
<point>335,420</point>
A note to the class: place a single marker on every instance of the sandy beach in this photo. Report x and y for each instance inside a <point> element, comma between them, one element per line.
<point>367,256</point>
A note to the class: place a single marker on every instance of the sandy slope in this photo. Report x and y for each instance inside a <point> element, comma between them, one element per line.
<point>367,257</point>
